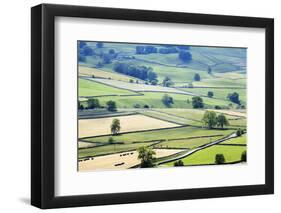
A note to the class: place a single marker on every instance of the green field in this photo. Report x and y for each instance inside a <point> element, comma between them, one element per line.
<point>239,140</point>
<point>207,156</point>
<point>154,100</point>
<point>158,135</point>
<point>92,88</point>
<point>218,93</point>
<point>187,143</point>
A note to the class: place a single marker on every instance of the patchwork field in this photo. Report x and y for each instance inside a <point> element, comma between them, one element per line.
<point>129,123</point>
<point>147,105</point>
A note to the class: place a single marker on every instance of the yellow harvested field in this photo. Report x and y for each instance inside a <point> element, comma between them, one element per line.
<point>233,113</point>
<point>128,123</point>
<point>88,71</point>
<point>120,161</point>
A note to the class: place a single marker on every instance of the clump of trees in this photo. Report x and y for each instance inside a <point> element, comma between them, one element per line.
<point>115,126</point>
<point>141,72</point>
<point>211,120</point>
<point>234,97</point>
<point>210,94</point>
<point>185,56</point>
<point>146,49</point>
<point>197,102</point>
<point>197,77</point>
<point>219,159</point>
<point>111,106</point>
<point>178,163</point>
<point>167,82</point>
<point>167,100</point>
<point>146,155</point>
<point>239,132</point>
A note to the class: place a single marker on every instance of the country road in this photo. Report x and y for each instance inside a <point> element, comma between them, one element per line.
<point>233,135</point>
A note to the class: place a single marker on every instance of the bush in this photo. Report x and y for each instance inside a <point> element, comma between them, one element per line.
<point>219,159</point>
<point>179,163</point>
<point>197,77</point>
<point>239,132</point>
<point>111,106</point>
<point>244,156</point>
<point>234,97</point>
<point>210,94</point>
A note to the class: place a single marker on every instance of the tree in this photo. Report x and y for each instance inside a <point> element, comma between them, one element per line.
<point>111,106</point>
<point>219,159</point>
<point>209,70</point>
<point>167,100</point>
<point>197,77</point>
<point>152,76</point>
<point>222,120</point>
<point>185,56</point>
<point>87,51</point>
<point>244,156</point>
<point>146,155</point>
<point>234,97</point>
<point>99,45</point>
<point>197,102</point>
<point>111,51</point>
<point>131,81</point>
<point>210,119</point>
<point>115,126</point>
<point>179,163</point>
<point>210,94</point>
<point>239,132</point>
<point>167,82</point>
<point>82,44</point>
<point>93,103</point>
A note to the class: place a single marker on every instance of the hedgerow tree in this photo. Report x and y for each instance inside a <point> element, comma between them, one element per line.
<point>197,77</point>
<point>146,155</point>
<point>197,102</point>
<point>115,126</point>
<point>167,100</point>
<point>210,119</point>
<point>167,82</point>
<point>234,97</point>
<point>219,159</point>
<point>93,103</point>
<point>185,56</point>
<point>111,106</point>
<point>222,121</point>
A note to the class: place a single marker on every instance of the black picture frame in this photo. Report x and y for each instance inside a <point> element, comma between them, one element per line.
<point>43,102</point>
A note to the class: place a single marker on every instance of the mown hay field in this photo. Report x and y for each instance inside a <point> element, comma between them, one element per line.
<point>129,123</point>
<point>123,160</point>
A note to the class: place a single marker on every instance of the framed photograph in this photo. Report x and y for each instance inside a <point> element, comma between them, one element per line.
<point>139,106</point>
